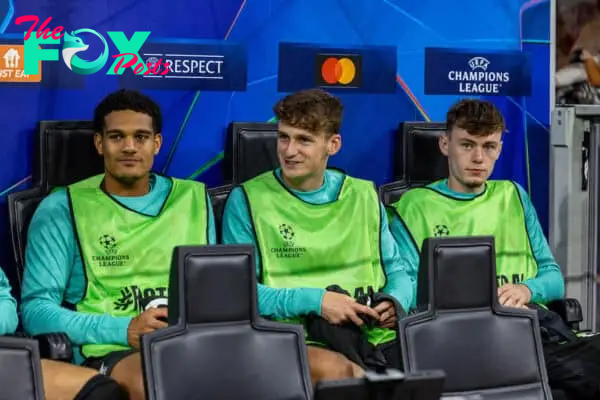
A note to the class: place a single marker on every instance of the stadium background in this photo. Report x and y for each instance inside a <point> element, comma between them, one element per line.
<point>195,122</point>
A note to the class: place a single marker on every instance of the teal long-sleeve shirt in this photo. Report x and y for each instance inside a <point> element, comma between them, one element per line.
<point>8,308</point>
<point>54,272</point>
<point>282,303</point>
<point>546,286</point>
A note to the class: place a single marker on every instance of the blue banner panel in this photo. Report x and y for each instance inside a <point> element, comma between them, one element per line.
<point>219,66</point>
<point>357,69</point>
<point>477,73</point>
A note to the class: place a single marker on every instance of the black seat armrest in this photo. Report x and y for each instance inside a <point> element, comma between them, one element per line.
<point>569,310</point>
<point>55,346</point>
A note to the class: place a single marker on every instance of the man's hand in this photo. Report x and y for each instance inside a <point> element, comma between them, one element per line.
<point>387,312</point>
<point>511,295</point>
<point>148,321</point>
<point>338,308</point>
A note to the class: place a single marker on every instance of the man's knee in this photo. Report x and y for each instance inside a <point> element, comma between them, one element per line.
<point>128,372</point>
<point>102,387</point>
<point>329,365</point>
<point>64,381</point>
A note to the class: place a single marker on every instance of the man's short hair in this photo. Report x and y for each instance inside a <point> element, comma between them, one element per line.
<point>313,110</point>
<point>132,100</point>
<point>478,117</point>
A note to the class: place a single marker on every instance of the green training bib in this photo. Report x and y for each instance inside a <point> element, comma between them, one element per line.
<point>497,211</point>
<point>127,255</point>
<point>315,246</point>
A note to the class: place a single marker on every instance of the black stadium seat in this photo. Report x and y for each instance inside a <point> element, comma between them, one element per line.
<point>417,156</point>
<point>64,153</point>
<point>391,192</point>
<point>485,349</point>
<point>217,347</point>
<point>250,149</point>
<point>20,369</point>
<point>218,197</point>
<point>21,206</point>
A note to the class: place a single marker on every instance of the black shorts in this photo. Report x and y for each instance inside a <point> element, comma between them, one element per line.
<point>392,353</point>
<point>105,364</point>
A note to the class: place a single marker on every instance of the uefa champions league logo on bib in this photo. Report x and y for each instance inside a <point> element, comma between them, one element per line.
<point>287,233</point>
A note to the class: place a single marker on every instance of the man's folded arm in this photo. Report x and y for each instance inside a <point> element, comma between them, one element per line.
<point>276,303</point>
<point>49,259</point>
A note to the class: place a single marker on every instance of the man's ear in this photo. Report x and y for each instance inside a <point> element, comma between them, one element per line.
<point>443,143</point>
<point>334,144</point>
<point>98,143</point>
<point>158,140</point>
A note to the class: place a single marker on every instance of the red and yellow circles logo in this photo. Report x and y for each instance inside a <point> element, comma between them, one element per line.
<point>338,71</point>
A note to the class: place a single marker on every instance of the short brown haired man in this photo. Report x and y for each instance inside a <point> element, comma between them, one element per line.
<point>314,228</point>
<point>467,203</point>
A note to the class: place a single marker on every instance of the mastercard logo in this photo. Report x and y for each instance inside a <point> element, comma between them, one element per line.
<point>338,71</point>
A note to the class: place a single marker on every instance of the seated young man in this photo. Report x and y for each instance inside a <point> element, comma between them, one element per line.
<point>313,228</point>
<point>61,381</point>
<point>467,203</point>
<point>99,252</point>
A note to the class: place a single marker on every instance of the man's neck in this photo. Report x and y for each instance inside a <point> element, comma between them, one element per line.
<point>458,187</point>
<point>305,185</point>
<point>137,188</point>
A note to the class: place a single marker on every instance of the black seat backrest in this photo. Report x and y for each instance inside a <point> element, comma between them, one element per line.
<point>484,348</point>
<point>21,207</point>
<point>418,158</point>
<point>217,346</point>
<point>65,153</point>
<point>250,150</point>
<point>20,369</point>
<point>391,192</point>
<point>218,198</point>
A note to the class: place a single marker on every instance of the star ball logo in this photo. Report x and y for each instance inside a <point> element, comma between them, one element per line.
<point>339,70</point>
